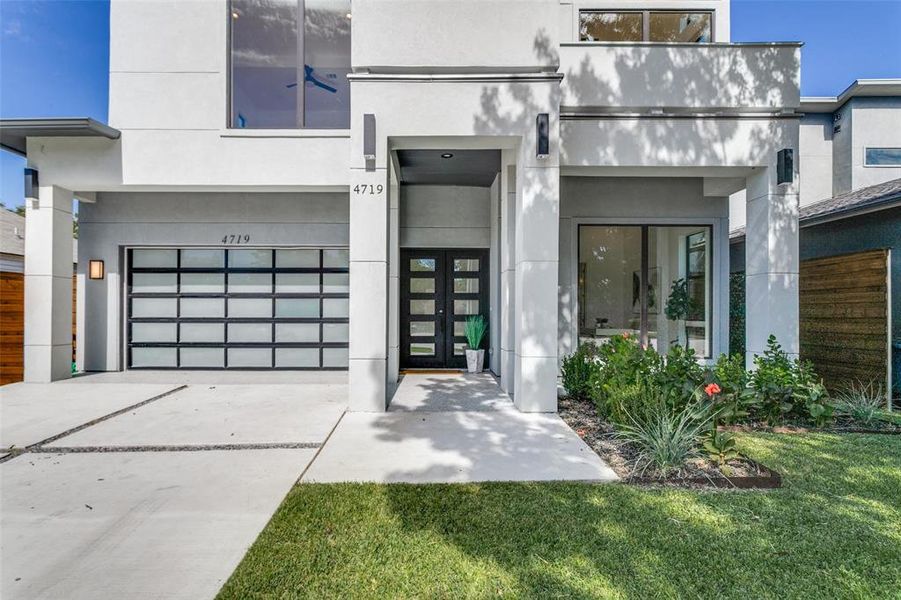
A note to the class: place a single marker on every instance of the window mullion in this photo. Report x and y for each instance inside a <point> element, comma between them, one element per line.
<point>646,25</point>
<point>643,289</point>
<point>301,64</point>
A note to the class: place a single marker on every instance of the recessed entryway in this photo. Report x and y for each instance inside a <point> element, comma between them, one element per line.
<point>439,290</point>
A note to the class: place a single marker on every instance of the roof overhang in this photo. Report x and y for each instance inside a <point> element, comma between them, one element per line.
<point>14,133</point>
<point>860,88</point>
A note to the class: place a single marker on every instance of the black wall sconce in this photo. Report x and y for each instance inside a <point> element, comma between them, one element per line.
<point>785,166</point>
<point>95,269</point>
<point>542,141</point>
<point>31,183</point>
<point>369,136</point>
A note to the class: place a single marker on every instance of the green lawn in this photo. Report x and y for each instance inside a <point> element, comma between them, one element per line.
<point>834,530</point>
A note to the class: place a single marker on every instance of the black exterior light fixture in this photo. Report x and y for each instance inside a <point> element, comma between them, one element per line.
<point>31,183</point>
<point>785,166</point>
<point>95,269</point>
<point>369,136</point>
<point>542,143</point>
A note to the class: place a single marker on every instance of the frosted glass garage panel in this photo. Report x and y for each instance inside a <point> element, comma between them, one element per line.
<point>250,357</point>
<point>297,308</point>
<point>154,259</point>
<point>335,333</point>
<point>250,259</point>
<point>297,358</point>
<point>335,258</point>
<point>143,333</point>
<point>250,332</point>
<point>203,259</point>
<point>297,332</point>
<point>249,283</point>
<point>297,283</point>
<point>202,358</point>
<point>334,358</point>
<point>259,308</point>
<point>210,333</point>
<point>297,259</point>
<point>158,357</point>
<point>154,308</point>
<point>154,283</point>
<point>335,283</point>
<point>335,308</point>
<point>202,283</point>
<point>202,307</point>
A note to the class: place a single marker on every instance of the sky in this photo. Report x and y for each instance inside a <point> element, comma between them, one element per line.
<point>54,54</point>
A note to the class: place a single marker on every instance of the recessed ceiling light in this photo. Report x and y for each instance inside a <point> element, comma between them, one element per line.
<point>348,15</point>
<point>235,15</point>
<point>447,155</point>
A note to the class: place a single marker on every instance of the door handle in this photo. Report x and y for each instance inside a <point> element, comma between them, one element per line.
<point>441,320</point>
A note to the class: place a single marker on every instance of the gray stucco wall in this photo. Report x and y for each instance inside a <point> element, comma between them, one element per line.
<point>866,232</point>
<point>444,216</point>
<point>118,220</point>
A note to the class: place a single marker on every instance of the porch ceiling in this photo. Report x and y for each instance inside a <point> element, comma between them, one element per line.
<point>475,168</point>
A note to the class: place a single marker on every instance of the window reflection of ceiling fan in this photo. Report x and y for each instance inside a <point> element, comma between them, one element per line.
<point>308,76</point>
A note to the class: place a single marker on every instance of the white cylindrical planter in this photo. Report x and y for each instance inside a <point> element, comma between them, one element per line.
<point>474,360</point>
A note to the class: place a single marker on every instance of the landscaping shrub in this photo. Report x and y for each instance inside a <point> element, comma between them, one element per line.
<point>678,376</point>
<point>732,401</point>
<point>862,402</point>
<point>664,439</point>
<point>787,387</point>
<point>579,368</point>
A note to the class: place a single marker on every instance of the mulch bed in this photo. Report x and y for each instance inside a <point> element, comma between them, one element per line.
<point>699,472</point>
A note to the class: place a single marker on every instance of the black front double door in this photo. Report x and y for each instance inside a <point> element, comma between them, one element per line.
<point>439,289</point>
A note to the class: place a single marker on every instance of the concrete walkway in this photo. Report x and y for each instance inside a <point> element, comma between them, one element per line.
<point>454,428</point>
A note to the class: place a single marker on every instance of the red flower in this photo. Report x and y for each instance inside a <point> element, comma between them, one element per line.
<point>712,389</point>
<point>625,335</point>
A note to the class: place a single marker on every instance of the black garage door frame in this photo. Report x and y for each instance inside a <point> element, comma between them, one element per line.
<point>272,319</point>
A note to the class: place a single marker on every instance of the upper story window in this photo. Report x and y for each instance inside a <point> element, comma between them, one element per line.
<point>645,26</point>
<point>882,157</point>
<point>289,61</point>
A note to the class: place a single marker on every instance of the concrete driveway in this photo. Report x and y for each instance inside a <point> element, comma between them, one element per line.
<point>148,485</point>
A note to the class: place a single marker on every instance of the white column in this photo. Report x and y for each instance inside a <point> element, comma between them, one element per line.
<point>48,285</point>
<point>369,212</point>
<point>393,280</point>
<point>771,263</point>
<point>508,275</point>
<point>537,235</point>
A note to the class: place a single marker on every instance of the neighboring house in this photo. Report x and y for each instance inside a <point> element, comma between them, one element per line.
<point>850,163</point>
<point>12,296</point>
<point>339,190</point>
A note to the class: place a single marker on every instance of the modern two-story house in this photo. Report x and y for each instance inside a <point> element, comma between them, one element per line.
<point>306,185</point>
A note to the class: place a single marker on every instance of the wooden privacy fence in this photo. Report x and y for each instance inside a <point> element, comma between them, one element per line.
<point>844,307</point>
<point>12,326</point>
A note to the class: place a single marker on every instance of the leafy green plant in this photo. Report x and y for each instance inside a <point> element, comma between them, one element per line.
<point>474,330</point>
<point>680,304</point>
<point>721,448</point>
<point>678,376</point>
<point>733,401</point>
<point>786,387</point>
<point>579,369</point>
<point>863,402</point>
<point>665,440</point>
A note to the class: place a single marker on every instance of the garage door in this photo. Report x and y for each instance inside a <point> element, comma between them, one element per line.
<point>214,308</point>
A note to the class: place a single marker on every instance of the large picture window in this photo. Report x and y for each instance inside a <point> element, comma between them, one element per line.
<point>289,61</point>
<point>650,281</point>
<point>646,25</point>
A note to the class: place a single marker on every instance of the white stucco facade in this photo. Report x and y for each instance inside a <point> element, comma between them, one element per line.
<point>642,134</point>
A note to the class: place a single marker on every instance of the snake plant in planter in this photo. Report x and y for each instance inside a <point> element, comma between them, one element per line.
<point>474,330</point>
